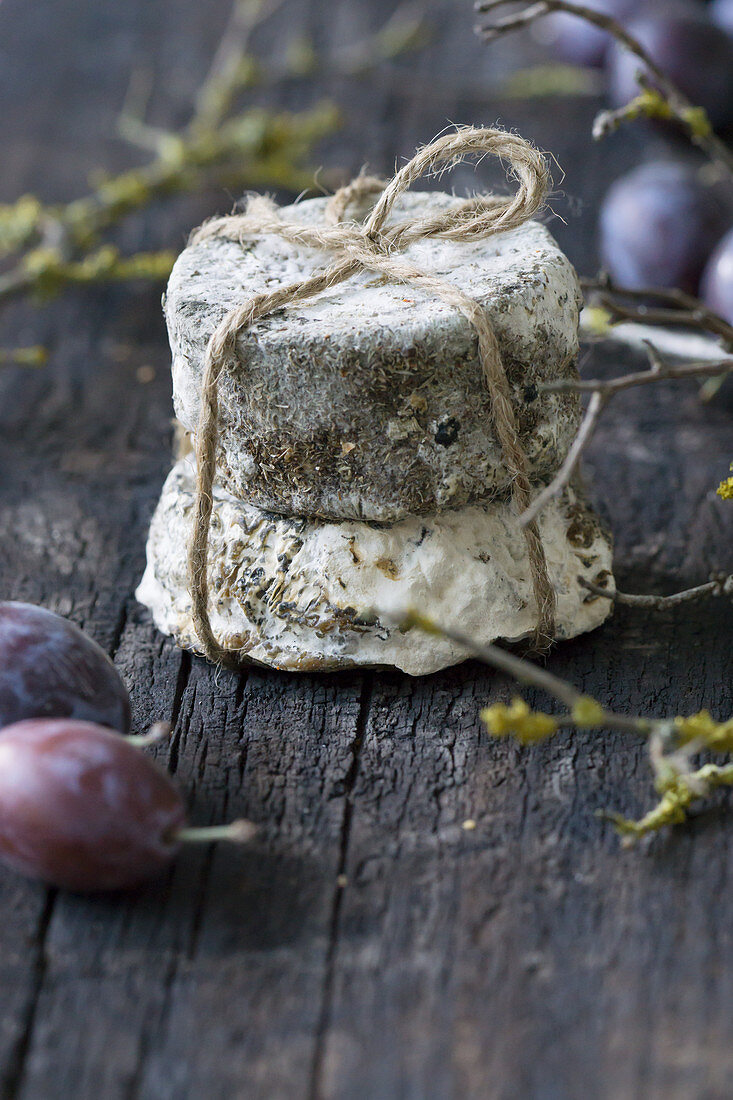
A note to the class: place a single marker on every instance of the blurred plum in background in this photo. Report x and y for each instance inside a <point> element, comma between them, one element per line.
<point>49,668</point>
<point>717,281</point>
<point>658,226</point>
<point>721,12</point>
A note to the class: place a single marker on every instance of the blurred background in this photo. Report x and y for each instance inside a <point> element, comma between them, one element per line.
<point>68,69</point>
<point>148,117</point>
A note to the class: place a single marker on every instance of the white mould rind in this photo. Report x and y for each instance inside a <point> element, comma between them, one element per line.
<point>368,401</point>
<point>303,594</point>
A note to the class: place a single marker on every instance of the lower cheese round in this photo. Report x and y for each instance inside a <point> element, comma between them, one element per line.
<point>308,594</point>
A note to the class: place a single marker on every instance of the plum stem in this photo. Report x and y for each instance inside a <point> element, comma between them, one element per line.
<point>159,731</point>
<point>239,832</point>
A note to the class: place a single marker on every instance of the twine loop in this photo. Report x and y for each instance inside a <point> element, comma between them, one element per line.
<point>373,245</point>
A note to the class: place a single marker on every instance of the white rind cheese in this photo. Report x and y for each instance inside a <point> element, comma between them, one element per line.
<point>368,401</point>
<point>305,594</point>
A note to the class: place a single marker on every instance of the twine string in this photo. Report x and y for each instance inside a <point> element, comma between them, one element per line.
<point>372,245</point>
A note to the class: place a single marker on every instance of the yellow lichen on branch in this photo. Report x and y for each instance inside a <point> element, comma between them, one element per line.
<point>671,742</point>
<point>46,247</point>
<point>225,145</point>
<point>18,222</point>
<point>528,726</point>
<point>659,98</point>
<point>33,356</point>
<point>587,713</point>
<point>725,489</point>
<point>678,786</point>
<point>705,731</point>
<point>519,721</point>
<point>677,796</point>
<point>48,273</point>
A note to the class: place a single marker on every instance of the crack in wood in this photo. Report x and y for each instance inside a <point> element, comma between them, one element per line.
<point>200,904</point>
<point>119,630</point>
<point>13,1077</point>
<point>150,1035</point>
<point>184,675</point>
<point>324,1016</point>
<point>240,700</point>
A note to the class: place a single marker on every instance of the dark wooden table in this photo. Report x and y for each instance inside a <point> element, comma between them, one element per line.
<point>366,947</point>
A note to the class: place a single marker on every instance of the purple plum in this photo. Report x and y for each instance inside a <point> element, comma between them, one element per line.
<point>49,668</point>
<point>658,226</point>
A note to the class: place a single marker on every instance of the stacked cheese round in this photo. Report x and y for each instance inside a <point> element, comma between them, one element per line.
<point>357,468</point>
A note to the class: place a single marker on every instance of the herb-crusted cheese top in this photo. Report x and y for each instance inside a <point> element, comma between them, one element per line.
<point>368,401</point>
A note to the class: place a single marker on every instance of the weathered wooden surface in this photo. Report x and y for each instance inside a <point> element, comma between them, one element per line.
<point>366,946</point>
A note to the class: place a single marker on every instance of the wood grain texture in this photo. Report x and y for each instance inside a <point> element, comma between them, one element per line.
<point>366,946</point>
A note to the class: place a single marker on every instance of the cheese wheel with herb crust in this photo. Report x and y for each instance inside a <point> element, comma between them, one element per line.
<point>309,594</point>
<point>368,400</point>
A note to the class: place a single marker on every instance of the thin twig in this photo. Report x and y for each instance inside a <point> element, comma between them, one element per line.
<point>56,245</point>
<point>612,386</point>
<point>692,118</point>
<point>131,123</point>
<point>266,152</point>
<point>525,672</point>
<point>595,408</point>
<point>226,74</point>
<point>601,393</point>
<point>684,309</point>
<point>720,586</point>
<point>652,103</point>
<point>406,29</point>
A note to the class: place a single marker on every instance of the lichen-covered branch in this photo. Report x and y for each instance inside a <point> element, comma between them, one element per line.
<point>47,247</point>
<point>659,96</point>
<point>678,794</point>
<point>655,104</point>
<point>47,273</point>
<point>725,489</point>
<point>33,356</point>
<point>673,307</point>
<point>254,149</point>
<point>672,742</point>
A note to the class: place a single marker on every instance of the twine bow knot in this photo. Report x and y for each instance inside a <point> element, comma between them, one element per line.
<point>373,245</point>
